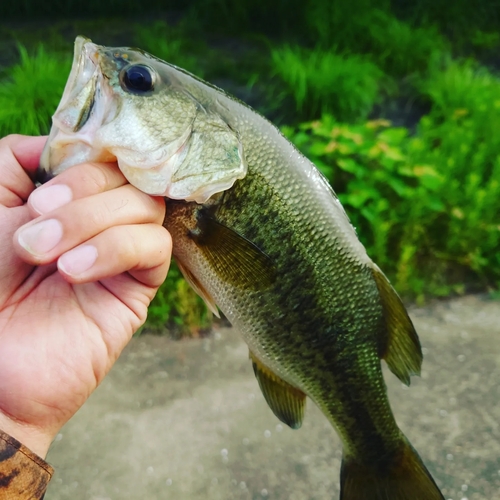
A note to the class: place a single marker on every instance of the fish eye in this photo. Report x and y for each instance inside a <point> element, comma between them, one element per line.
<point>138,78</point>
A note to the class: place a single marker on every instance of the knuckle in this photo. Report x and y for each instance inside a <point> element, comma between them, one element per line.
<point>9,139</point>
<point>153,207</point>
<point>158,209</point>
<point>98,177</point>
<point>127,240</point>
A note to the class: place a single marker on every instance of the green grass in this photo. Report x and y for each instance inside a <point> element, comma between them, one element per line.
<point>457,19</point>
<point>322,81</point>
<point>460,84</point>
<point>30,91</point>
<point>342,24</point>
<point>399,48</point>
<point>356,62</point>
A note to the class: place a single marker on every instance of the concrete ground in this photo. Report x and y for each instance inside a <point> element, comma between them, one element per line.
<point>186,421</point>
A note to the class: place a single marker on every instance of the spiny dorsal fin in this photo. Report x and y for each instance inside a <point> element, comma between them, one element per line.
<point>286,402</point>
<point>401,347</point>
<point>235,259</point>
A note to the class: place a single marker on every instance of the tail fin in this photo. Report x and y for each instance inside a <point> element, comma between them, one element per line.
<point>405,478</point>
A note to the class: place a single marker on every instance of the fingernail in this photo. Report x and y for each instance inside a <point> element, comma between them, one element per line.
<point>78,260</point>
<point>42,237</point>
<point>46,199</point>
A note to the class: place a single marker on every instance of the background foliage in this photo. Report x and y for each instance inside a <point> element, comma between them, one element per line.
<point>397,102</point>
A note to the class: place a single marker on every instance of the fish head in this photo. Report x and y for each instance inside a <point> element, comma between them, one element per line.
<point>124,105</point>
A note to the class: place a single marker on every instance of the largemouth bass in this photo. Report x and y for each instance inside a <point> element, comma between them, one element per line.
<point>259,233</point>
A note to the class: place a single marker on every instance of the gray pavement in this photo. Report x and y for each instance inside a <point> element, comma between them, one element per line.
<point>186,421</point>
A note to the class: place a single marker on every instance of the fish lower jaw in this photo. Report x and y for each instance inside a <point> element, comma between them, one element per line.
<point>66,152</point>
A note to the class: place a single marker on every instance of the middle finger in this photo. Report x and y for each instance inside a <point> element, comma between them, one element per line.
<point>44,239</point>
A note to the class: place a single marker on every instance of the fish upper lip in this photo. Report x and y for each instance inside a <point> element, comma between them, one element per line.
<point>85,64</point>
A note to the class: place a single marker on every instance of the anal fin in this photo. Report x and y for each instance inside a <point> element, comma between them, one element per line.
<point>287,402</point>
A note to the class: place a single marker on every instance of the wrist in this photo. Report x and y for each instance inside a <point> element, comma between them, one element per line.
<point>36,439</point>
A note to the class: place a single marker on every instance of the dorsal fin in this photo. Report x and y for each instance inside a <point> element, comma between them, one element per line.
<point>286,402</point>
<point>400,346</point>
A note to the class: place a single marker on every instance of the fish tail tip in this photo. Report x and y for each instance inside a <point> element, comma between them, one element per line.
<point>405,478</point>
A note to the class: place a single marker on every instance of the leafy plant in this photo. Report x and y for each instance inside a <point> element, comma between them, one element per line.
<point>430,223</point>
<point>30,91</point>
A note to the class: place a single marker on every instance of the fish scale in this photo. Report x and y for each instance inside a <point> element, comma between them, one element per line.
<point>259,234</point>
<point>306,354</point>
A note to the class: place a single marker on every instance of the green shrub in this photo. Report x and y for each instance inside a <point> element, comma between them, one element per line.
<point>30,92</point>
<point>431,224</point>
<point>178,308</point>
<point>397,46</point>
<point>326,82</point>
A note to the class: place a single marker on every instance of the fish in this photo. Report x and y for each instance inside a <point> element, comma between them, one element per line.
<point>261,236</point>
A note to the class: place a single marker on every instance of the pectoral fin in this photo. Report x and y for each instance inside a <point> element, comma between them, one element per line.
<point>198,288</point>
<point>400,346</point>
<point>286,402</point>
<point>235,259</point>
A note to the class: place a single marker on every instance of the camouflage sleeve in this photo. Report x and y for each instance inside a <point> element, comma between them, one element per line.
<point>23,475</point>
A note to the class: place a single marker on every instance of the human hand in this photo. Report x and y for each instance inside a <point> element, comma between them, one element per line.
<point>63,326</point>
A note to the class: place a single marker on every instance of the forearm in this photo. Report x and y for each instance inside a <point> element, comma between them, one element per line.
<point>23,474</point>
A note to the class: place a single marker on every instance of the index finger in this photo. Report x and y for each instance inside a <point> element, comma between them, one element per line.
<point>79,181</point>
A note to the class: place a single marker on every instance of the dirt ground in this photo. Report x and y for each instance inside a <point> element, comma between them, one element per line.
<point>186,421</point>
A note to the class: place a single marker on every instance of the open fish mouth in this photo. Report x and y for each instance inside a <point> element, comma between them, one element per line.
<point>79,93</point>
<point>80,113</point>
